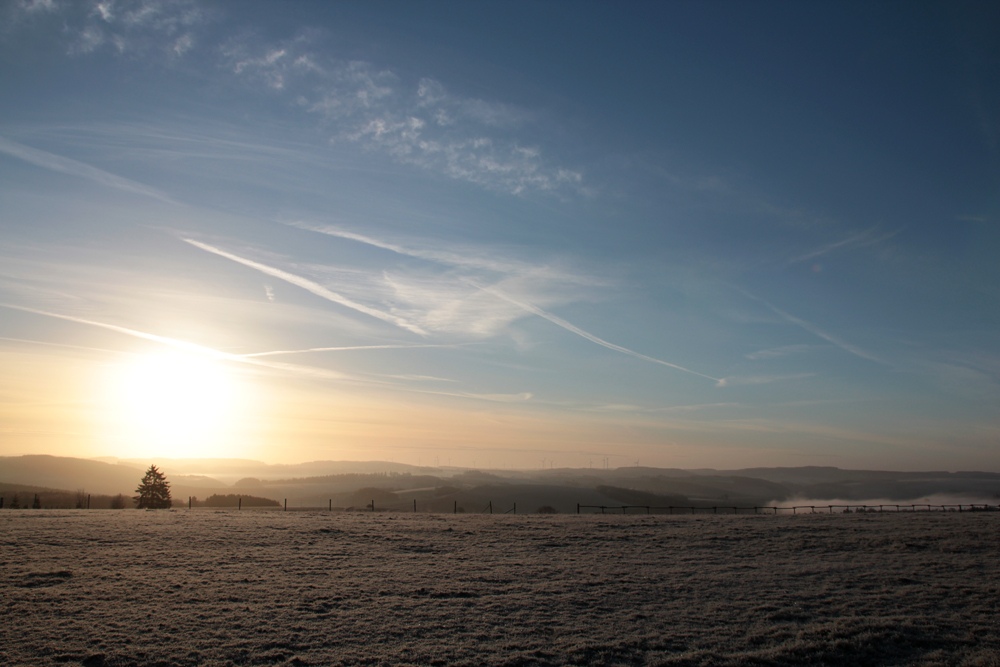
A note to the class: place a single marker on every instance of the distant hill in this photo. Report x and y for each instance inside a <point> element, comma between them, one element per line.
<point>63,472</point>
<point>321,483</point>
<point>231,470</point>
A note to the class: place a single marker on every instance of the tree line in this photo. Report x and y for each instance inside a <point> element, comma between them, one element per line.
<point>153,492</point>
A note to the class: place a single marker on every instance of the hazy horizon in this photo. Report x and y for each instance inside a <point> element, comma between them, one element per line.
<point>431,465</point>
<point>502,235</point>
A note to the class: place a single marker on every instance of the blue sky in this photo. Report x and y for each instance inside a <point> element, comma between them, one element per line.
<point>685,234</point>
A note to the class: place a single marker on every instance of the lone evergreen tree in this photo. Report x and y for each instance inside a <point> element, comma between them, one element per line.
<point>154,491</point>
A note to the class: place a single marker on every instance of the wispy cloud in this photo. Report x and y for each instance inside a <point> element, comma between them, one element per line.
<point>558,321</point>
<point>418,123</point>
<point>311,286</point>
<point>865,238</point>
<point>442,301</point>
<point>72,167</point>
<point>415,121</point>
<point>169,27</point>
<point>36,6</point>
<point>847,347</point>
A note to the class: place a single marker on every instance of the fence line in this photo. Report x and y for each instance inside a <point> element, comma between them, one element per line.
<point>846,509</point>
<point>373,507</point>
<point>669,509</point>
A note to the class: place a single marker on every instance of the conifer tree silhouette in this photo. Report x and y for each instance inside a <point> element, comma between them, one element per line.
<point>154,491</point>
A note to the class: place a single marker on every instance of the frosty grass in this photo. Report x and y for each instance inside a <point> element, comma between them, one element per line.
<point>207,587</point>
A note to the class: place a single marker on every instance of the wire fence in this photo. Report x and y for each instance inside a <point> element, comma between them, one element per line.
<point>451,506</point>
<point>431,506</point>
<point>793,509</point>
<point>444,507</point>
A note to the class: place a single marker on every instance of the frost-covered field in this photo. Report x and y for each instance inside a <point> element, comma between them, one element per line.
<point>261,588</point>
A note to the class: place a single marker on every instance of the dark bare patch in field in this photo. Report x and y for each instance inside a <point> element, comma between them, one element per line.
<point>38,579</point>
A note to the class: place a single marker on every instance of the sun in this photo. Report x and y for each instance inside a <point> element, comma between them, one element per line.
<point>179,405</point>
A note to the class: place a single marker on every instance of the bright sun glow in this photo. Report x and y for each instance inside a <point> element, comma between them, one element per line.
<point>176,404</point>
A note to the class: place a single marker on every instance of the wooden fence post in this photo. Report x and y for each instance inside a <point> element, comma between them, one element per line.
<point>373,504</point>
<point>330,506</point>
<point>577,508</point>
<point>414,505</point>
<point>189,502</point>
<point>455,511</point>
<point>286,504</point>
<point>88,501</point>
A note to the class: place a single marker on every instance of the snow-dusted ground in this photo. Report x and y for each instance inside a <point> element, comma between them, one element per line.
<point>259,588</point>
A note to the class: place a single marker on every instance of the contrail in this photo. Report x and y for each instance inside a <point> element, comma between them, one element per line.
<point>439,256</point>
<point>558,321</point>
<point>172,342</point>
<point>847,347</point>
<point>339,349</point>
<point>865,236</point>
<point>65,345</point>
<point>184,345</point>
<point>65,165</point>
<point>247,359</point>
<point>310,286</point>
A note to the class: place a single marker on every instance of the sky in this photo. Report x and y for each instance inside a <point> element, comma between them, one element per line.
<point>502,234</point>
